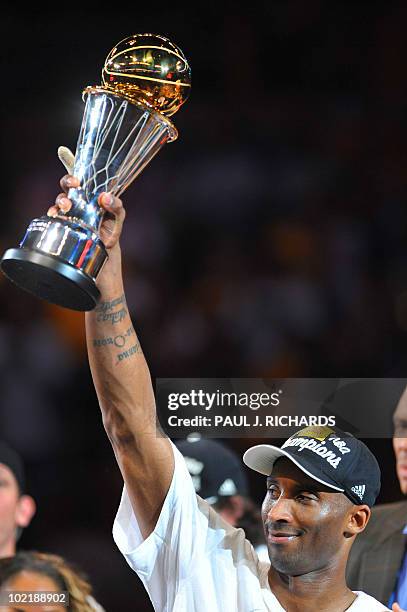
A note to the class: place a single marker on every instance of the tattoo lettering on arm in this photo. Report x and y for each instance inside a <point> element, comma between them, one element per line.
<point>113,310</point>
<point>136,348</point>
<point>120,340</point>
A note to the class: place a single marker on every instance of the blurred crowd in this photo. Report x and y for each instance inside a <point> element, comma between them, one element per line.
<point>268,241</point>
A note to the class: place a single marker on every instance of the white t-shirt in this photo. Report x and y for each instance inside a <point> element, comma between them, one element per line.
<point>196,562</point>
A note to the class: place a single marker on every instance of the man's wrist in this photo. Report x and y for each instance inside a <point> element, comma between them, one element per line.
<point>110,280</point>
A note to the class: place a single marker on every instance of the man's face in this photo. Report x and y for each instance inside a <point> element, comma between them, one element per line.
<point>304,521</point>
<point>400,441</point>
<point>9,511</point>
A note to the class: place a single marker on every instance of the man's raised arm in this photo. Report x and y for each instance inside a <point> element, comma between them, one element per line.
<point>122,379</point>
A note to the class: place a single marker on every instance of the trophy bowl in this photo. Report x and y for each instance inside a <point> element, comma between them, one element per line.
<point>145,79</point>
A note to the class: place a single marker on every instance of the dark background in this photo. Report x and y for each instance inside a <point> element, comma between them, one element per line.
<point>268,241</point>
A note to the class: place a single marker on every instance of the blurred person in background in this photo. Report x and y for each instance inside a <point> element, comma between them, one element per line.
<point>16,511</point>
<point>378,561</point>
<point>16,507</point>
<point>219,478</point>
<point>36,572</point>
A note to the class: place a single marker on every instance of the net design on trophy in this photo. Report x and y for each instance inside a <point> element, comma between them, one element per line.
<point>117,140</point>
<point>145,79</point>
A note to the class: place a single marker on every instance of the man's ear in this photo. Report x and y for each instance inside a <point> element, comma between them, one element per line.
<point>26,508</point>
<point>358,518</point>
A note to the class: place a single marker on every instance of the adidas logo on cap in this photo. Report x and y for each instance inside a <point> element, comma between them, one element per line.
<point>359,490</point>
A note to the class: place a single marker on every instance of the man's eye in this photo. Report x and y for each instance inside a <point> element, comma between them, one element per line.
<point>400,425</point>
<point>307,497</point>
<point>273,491</point>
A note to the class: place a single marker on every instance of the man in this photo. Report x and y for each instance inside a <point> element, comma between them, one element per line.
<point>378,563</point>
<point>16,508</point>
<point>188,558</point>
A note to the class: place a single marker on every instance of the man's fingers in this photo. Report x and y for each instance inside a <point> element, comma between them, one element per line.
<point>107,201</point>
<point>68,181</point>
<point>111,204</point>
<point>396,608</point>
<point>53,211</point>
<point>113,223</point>
<point>117,230</point>
<point>67,158</point>
<point>113,219</point>
<point>63,202</point>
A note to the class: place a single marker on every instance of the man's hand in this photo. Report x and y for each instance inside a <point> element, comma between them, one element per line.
<point>396,608</point>
<point>113,218</point>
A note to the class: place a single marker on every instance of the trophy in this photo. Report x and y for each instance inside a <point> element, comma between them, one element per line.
<point>145,79</point>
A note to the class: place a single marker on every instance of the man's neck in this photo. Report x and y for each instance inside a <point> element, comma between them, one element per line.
<point>320,590</point>
<point>7,549</point>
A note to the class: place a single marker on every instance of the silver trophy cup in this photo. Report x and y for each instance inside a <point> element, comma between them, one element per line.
<point>60,257</point>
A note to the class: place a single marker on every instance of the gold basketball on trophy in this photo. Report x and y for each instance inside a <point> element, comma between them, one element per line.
<point>150,69</point>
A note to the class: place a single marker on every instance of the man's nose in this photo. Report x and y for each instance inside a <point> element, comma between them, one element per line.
<point>401,443</point>
<point>280,510</point>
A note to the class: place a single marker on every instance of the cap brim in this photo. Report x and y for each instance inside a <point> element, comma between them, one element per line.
<point>261,458</point>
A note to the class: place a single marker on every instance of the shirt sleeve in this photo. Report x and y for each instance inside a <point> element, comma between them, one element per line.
<point>187,531</point>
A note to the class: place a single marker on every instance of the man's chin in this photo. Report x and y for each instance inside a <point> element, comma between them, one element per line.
<point>286,563</point>
<point>289,569</point>
<point>403,483</point>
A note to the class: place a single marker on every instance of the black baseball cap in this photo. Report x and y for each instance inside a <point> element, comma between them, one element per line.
<point>332,457</point>
<point>13,461</point>
<point>215,470</point>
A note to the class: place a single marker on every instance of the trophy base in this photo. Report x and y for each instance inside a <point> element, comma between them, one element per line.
<point>58,261</point>
<point>50,279</point>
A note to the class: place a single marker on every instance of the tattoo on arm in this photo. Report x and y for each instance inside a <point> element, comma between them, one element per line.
<point>136,348</point>
<point>113,310</point>
<point>120,340</point>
